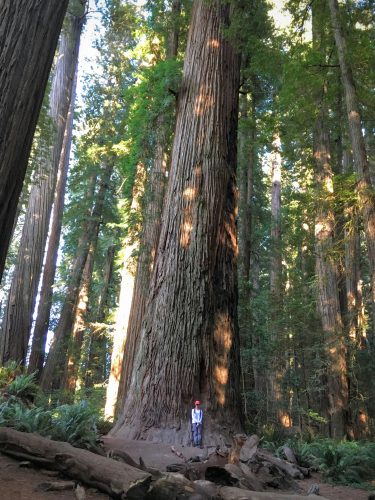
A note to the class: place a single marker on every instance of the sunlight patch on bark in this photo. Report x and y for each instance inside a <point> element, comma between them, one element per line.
<point>203,102</point>
<point>214,43</point>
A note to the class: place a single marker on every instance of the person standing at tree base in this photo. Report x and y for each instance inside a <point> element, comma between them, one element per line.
<point>196,422</point>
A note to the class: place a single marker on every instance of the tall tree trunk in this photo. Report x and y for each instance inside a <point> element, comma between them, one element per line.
<point>276,369</point>
<point>54,367</point>
<point>154,198</point>
<point>326,269</point>
<point>190,346</point>
<point>364,186</point>
<point>22,297</point>
<point>246,164</point>
<point>96,370</point>
<point>328,296</point>
<point>37,354</point>
<point>79,324</point>
<point>29,31</point>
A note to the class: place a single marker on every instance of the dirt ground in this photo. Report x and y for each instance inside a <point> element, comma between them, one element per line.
<point>23,483</point>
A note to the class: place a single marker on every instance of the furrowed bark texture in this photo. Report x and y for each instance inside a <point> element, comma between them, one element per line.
<point>153,199</point>
<point>54,367</point>
<point>22,297</point>
<point>189,346</point>
<point>29,31</point>
<point>364,186</point>
<point>328,295</point>
<point>326,269</point>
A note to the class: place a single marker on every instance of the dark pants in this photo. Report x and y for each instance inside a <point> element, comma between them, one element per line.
<point>197,434</point>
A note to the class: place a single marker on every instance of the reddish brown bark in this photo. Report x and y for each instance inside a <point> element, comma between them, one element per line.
<point>153,200</point>
<point>29,31</point>
<point>337,395</point>
<point>189,345</point>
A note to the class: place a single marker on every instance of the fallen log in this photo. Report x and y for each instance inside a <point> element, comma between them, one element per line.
<point>113,478</point>
<point>291,469</point>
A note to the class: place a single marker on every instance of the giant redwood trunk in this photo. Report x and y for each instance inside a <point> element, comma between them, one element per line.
<point>189,347</point>
<point>29,31</point>
<point>22,296</point>
<point>364,186</point>
<point>336,397</point>
<point>153,199</point>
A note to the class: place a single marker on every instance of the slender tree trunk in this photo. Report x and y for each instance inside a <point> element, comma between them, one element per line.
<point>54,367</point>
<point>22,297</point>
<point>364,187</point>
<point>189,345</point>
<point>79,325</point>
<point>276,369</point>
<point>37,354</point>
<point>29,31</point>
<point>154,199</point>
<point>97,360</point>
<point>246,163</point>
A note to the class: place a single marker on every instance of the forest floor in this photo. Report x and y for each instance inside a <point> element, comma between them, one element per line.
<point>23,483</point>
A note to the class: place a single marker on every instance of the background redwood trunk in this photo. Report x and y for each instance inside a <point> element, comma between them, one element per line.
<point>37,354</point>
<point>189,346</point>
<point>29,31</point>
<point>22,296</point>
<point>54,367</point>
<point>364,186</point>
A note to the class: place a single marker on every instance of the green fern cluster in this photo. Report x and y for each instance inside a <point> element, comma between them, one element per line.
<point>341,462</point>
<point>75,424</point>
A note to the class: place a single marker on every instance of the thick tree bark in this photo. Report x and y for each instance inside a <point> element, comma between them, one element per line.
<point>326,270</point>
<point>54,367</point>
<point>328,296</point>
<point>29,31</point>
<point>37,354</point>
<point>364,186</point>
<point>189,346</point>
<point>153,199</point>
<point>22,296</point>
